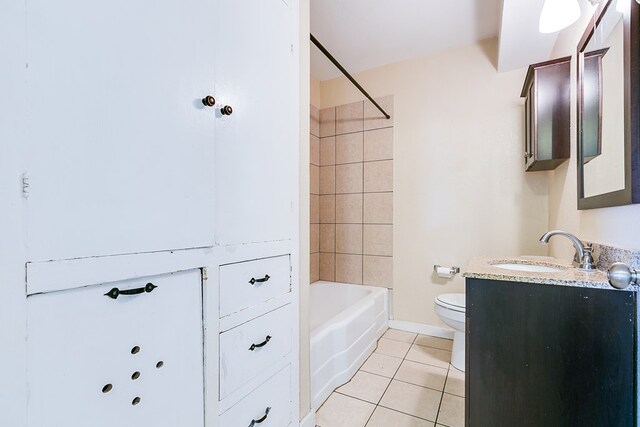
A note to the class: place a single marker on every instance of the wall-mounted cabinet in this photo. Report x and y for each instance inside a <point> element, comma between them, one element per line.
<point>547,90</point>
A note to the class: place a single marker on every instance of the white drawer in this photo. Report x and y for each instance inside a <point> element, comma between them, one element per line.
<point>275,394</point>
<point>248,349</point>
<point>93,357</point>
<point>246,284</point>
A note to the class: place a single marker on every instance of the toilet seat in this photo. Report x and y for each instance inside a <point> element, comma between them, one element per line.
<point>455,302</point>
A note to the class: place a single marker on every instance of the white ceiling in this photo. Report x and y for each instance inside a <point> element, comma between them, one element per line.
<point>364,34</point>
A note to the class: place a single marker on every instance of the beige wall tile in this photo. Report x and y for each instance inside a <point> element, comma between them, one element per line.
<point>378,176</point>
<point>314,238</point>
<point>378,240</point>
<point>327,180</point>
<point>349,239</point>
<point>350,148</point>
<point>349,208</point>
<point>314,214</point>
<point>327,209</point>
<point>378,144</point>
<point>327,237</point>
<point>328,151</point>
<point>327,266</point>
<point>378,208</point>
<point>373,118</point>
<point>349,178</point>
<point>314,150</point>
<point>349,117</point>
<point>327,122</point>
<point>314,268</point>
<point>314,124</point>
<point>377,271</point>
<point>314,179</point>
<point>349,268</point>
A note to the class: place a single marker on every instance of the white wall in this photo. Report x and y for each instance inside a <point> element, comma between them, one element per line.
<point>305,386</point>
<point>460,187</point>
<point>617,226</point>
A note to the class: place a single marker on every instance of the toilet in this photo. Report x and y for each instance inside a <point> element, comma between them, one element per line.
<point>451,308</point>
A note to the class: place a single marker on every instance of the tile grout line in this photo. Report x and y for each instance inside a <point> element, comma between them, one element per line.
<point>362,217</point>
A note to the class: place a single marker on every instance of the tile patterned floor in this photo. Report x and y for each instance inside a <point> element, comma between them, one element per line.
<point>406,382</point>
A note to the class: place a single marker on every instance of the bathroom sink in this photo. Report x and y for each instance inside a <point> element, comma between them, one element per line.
<point>534,268</point>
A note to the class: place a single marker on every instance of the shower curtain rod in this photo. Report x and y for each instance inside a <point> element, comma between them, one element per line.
<point>347,75</point>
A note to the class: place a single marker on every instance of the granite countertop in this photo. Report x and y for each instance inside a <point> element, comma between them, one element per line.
<point>482,268</point>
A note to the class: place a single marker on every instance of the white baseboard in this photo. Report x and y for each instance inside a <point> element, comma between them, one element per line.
<point>309,420</point>
<point>419,328</point>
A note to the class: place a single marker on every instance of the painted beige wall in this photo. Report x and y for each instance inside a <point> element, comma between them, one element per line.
<point>616,226</point>
<point>305,386</point>
<point>460,187</point>
<point>315,92</point>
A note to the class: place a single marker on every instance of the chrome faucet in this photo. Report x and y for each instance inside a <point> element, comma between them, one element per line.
<point>583,258</point>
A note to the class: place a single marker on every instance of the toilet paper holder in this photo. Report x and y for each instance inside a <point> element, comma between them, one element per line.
<point>446,272</point>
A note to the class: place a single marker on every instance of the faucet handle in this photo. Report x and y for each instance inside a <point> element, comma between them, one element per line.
<point>587,263</point>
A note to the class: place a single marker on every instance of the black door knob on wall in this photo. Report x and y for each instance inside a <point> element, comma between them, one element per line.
<point>209,101</point>
<point>226,110</point>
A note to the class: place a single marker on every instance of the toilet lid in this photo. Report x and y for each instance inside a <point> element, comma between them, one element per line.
<point>452,301</point>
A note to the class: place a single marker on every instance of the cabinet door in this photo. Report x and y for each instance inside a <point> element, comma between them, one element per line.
<point>132,361</point>
<point>120,146</point>
<point>549,355</point>
<point>256,146</point>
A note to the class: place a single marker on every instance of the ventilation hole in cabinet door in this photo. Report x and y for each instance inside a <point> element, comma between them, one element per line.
<point>135,375</point>
<point>135,401</point>
<point>107,388</point>
<point>135,350</point>
<point>160,364</point>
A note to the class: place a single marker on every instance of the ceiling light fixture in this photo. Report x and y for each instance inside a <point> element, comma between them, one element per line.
<point>558,14</point>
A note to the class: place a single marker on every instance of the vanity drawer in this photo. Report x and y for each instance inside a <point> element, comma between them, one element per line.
<point>248,349</point>
<point>249,283</point>
<point>274,394</point>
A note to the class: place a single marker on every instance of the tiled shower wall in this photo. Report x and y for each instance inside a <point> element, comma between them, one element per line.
<point>352,194</point>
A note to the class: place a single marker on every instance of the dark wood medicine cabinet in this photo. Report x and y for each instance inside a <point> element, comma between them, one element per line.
<point>547,93</point>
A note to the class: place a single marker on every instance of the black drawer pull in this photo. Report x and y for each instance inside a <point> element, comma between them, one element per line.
<point>266,414</point>
<point>253,280</point>
<point>115,292</point>
<point>262,344</point>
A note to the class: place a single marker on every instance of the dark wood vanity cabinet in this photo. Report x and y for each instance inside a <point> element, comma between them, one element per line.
<point>549,355</point>
<point>547,93</point>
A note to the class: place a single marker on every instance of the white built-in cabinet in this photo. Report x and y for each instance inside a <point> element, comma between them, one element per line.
<point>158,235</point>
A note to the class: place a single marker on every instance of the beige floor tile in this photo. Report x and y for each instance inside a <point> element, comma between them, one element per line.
<point>412,399</point>
<point>435,342</point>
<point>451,411</point>
<point>430,356</point>
<point>383,417</point>
<point>343,411</point>
<point>365,386</point>
<point>455,382</point>
<point>393,348</point>
<point>397,335</point>
<point>421,374</point>
<point>382,364</point>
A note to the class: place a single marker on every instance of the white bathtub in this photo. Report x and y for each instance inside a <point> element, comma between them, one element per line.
<point>345,323</point>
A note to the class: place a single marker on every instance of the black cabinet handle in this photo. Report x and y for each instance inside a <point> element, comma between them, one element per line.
<point>115,292</point>
<point>266,414</point>
<point>262,344</point>
<point>209,101</point>
<point>253,280</point>
<point>226,110</point>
